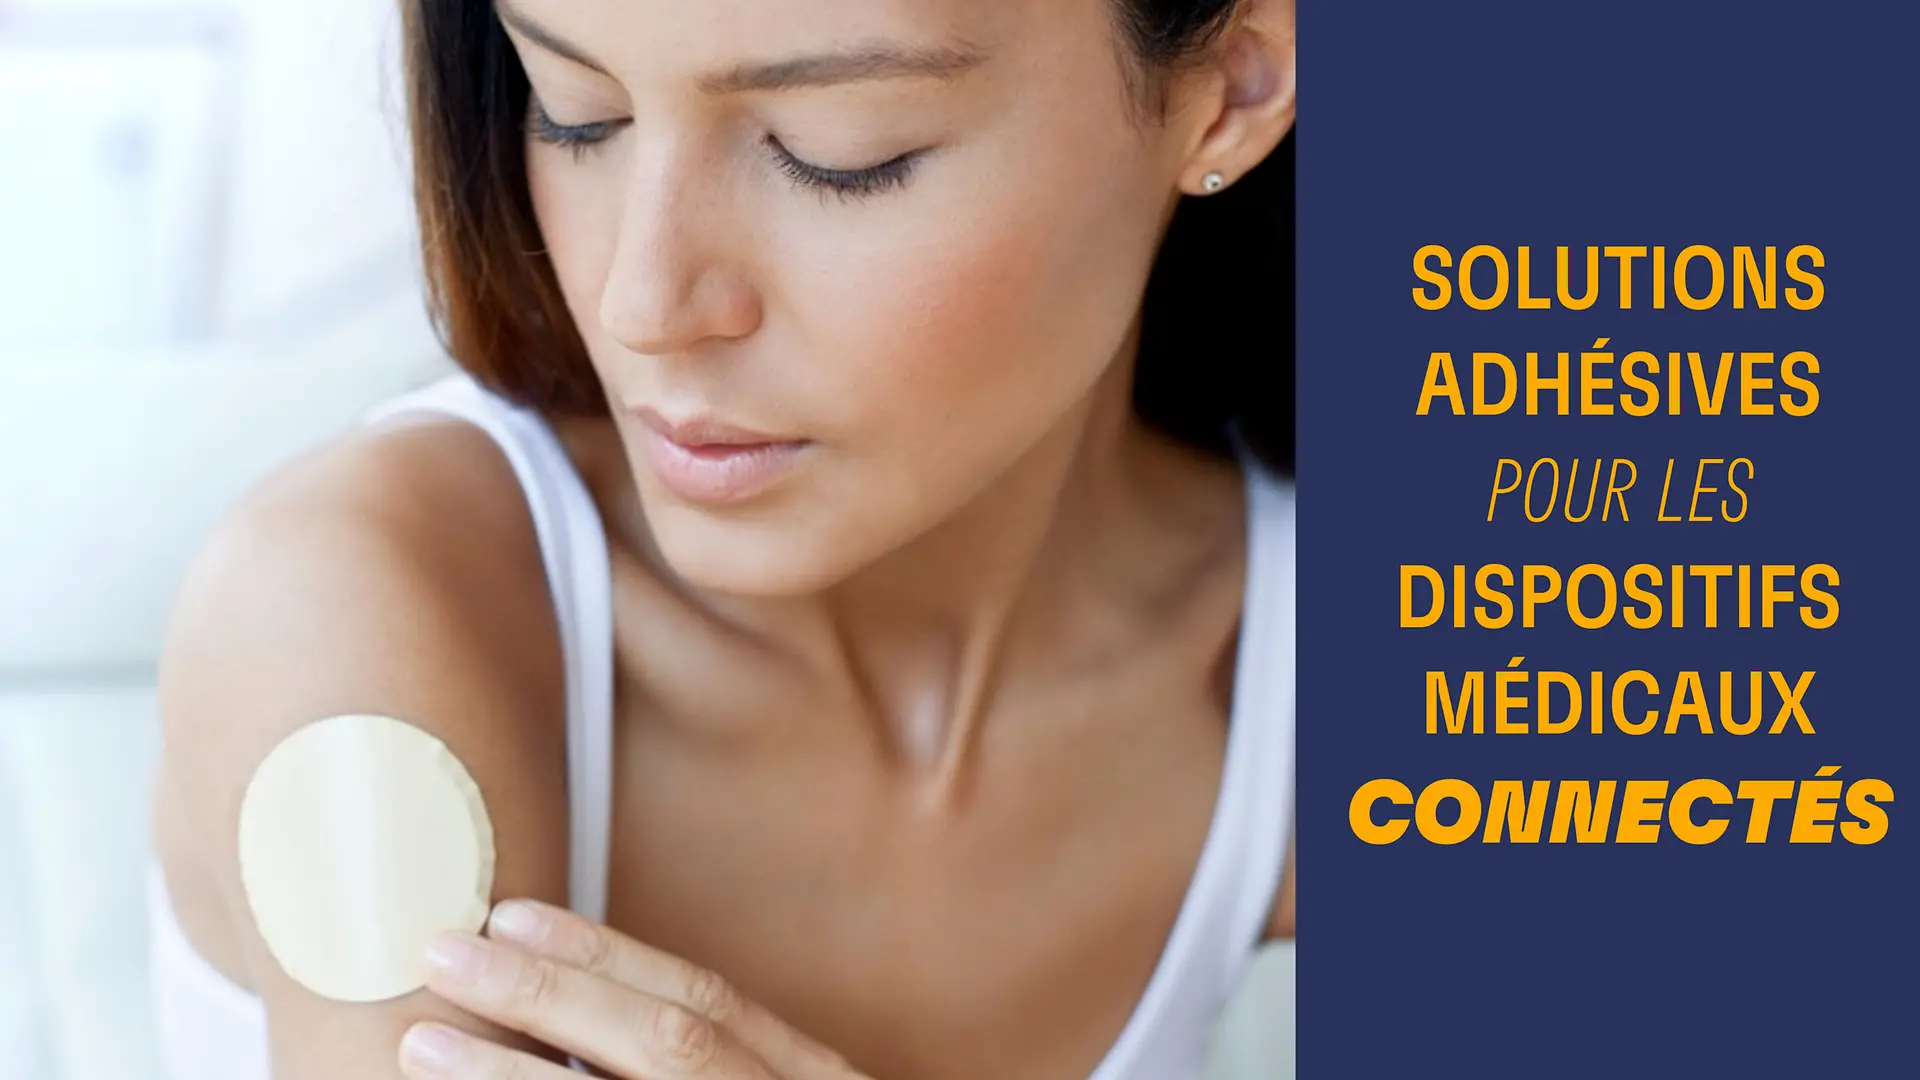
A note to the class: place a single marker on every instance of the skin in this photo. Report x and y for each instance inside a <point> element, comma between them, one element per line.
<point>957,681</point>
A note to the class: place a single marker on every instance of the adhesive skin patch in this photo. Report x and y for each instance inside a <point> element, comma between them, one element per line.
<point>361,837</point>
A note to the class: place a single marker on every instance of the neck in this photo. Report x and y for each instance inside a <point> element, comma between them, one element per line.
<point>933,632</point>
<point>923,641</point>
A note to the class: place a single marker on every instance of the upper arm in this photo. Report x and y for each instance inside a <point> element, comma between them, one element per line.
<point>352,584</point>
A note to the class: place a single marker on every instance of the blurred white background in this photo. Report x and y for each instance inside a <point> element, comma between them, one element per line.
<point>207,263</point>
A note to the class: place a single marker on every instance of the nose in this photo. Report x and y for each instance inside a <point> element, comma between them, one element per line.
<point>671,285</point>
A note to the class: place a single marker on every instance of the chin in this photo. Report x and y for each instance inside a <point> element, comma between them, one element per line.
<point>760,556</point>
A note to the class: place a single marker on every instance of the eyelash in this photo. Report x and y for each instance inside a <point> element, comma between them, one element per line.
<point>579,138</point>
<point>846,183</point>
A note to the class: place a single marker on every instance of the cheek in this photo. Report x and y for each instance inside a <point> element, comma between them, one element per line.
<point>577,206</point>
<point>984,316</point>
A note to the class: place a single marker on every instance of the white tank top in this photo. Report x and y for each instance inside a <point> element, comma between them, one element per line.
<point>212,1029</point>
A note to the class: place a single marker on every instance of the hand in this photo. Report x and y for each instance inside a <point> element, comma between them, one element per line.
<point>634,1012</point>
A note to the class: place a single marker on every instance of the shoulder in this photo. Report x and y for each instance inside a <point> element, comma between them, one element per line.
<point>394,571</point>
<point>385,564</point>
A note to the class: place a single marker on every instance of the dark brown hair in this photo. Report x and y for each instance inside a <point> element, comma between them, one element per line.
<point>1217,345</point>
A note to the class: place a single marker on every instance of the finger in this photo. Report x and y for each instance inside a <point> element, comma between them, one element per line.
<point>632,1034</point>
<point>582,943</point>
<point>438,1052</point>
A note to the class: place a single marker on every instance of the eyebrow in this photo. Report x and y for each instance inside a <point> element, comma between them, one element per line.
<point>861,63</point>
<point>544,38</point>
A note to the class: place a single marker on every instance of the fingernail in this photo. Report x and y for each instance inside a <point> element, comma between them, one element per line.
<point>524,923</point>
<point>461,957</point>
<point>432,1047</point>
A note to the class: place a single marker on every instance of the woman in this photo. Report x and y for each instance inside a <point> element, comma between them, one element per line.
<point>861,605</point>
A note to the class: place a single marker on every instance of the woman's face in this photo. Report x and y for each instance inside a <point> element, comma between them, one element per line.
<point>839,263</point>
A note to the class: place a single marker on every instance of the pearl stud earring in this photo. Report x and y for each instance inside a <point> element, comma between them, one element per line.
<point>1212,182</point>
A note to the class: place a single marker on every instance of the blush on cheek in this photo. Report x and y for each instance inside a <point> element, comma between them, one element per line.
<point>998,309</point>
<point>940,351</point>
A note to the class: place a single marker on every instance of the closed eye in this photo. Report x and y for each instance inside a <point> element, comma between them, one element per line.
<point>847,183</point>
<point>577,137</point>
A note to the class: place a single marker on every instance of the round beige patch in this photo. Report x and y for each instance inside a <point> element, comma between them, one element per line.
<point>361,837</point>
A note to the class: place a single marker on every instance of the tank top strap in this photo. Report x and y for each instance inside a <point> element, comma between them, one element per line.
<point>1268,634</point>
<point>573,548</point>
<point>1222,919</point>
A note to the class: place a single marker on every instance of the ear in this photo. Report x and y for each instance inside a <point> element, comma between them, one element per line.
<point>1246,95</point>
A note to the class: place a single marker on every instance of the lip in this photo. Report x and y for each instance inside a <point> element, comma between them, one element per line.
<point>704,460</point>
